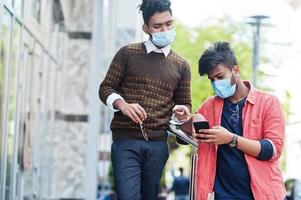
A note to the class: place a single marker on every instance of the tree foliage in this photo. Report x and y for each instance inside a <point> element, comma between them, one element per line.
<point>191,42</point>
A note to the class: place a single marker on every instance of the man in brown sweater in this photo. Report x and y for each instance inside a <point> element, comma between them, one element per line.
<point>145,83</point>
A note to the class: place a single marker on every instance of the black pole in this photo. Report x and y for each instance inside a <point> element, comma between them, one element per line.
<point>256,44</point>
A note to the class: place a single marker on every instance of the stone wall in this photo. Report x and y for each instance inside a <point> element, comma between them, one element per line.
<point>71,151</point>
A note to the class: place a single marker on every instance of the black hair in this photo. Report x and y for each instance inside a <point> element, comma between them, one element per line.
<point>218,53</point>
<point>150,7</point>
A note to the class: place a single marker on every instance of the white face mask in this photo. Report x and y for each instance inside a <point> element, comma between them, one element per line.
<point>163,39</point>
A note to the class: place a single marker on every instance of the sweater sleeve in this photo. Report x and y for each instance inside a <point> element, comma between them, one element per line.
<point>182,95</point>
<point>114,76</point>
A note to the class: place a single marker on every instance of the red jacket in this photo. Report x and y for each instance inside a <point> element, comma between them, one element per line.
<point>262,119</point>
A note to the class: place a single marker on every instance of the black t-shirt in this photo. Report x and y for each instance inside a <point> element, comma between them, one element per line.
<point>232,180</point>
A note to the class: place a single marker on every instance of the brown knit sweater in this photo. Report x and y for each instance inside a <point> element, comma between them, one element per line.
<point>155,82</point>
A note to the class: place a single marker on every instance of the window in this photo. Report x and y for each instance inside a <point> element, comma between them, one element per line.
<point>12,93</point>
<point>8,2</point>
<point>18,7</point>
<point>4,48</point>
<point>36,10</point>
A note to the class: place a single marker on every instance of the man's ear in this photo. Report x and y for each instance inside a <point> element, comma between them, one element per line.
<point>145,29</point>
<point>236,70</point>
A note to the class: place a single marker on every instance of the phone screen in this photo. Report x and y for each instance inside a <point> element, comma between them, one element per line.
<point>200,125</point>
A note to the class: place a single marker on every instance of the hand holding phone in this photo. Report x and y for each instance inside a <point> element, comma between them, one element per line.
<point>200,125</point>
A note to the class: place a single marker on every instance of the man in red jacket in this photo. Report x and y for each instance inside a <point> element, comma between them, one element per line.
<point>239,153</point>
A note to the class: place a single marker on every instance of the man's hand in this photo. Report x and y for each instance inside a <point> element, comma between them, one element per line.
<point>220,135</point>
<point>133,110</point>
<point>215,135</point>
<point>181,112</point>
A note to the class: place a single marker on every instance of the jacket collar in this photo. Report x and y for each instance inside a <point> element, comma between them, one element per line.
<point>252,93</point>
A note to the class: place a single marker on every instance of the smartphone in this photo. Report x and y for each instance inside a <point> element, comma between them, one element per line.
<point>200,125</point>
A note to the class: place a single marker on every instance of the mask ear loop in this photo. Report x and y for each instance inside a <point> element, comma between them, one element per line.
<point>232,74</point>
<point>235,76</point>
<point>149,33</point>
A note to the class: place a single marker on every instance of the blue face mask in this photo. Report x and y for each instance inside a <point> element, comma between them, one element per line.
<point>223,88</point>
<point>163,39</point>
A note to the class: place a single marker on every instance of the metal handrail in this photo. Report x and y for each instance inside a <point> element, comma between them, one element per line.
<point>175,130</point>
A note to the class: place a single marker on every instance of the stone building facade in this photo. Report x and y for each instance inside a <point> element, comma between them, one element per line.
<point>55,138</point>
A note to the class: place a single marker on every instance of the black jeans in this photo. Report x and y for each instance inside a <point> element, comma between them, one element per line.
<point>137,168</point>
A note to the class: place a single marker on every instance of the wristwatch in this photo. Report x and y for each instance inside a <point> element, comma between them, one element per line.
<point>233,143</point>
